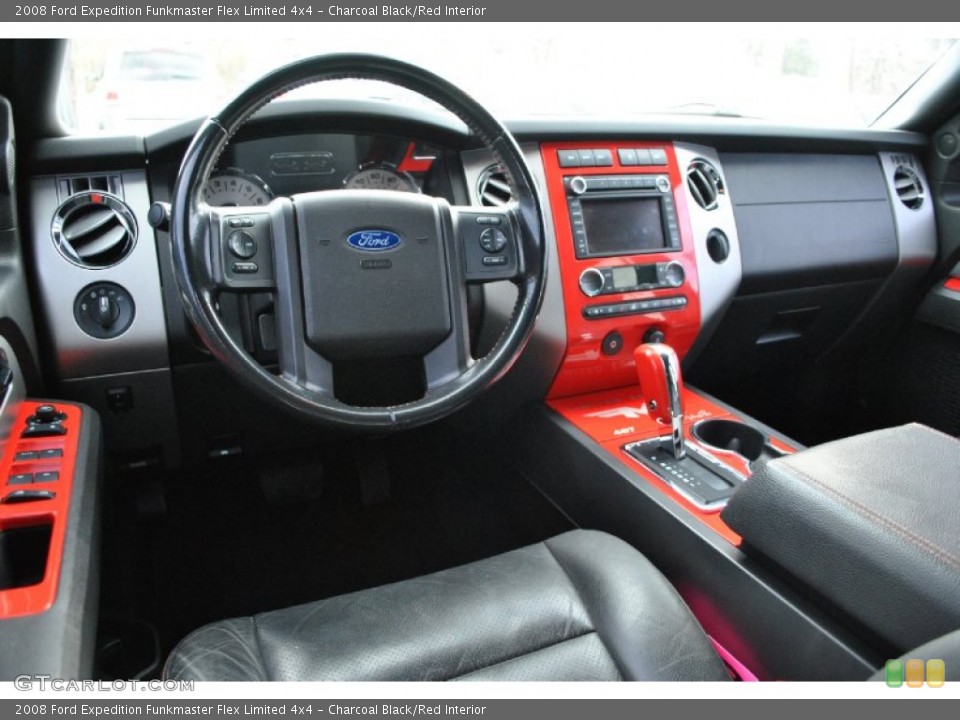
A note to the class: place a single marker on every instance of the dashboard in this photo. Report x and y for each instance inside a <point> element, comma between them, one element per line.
<point>741,247</point>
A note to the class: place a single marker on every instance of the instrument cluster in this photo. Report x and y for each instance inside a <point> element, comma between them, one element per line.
<point>253,172</point>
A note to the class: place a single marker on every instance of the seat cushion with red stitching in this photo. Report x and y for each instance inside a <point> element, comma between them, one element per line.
<point>870,522</point>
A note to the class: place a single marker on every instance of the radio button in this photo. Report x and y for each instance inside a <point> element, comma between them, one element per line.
<point>579,185</point>
<point>568,158</point>
<point>602,158</point>
<point>673,275</point>
<point>592,282</point>
<point>643,156</point>
<point>586,158</point>
<point>628,157</point>
<point>658,156</point>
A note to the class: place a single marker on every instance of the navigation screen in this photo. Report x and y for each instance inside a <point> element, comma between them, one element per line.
<point>622,226</point>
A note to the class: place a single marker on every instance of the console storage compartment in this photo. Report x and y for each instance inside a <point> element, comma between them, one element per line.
<point>871,523</point>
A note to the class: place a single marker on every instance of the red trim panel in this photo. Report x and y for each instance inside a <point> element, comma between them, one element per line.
<point>413,164</point>
<point>614,418</point>
<point>585,367</point>
<point>952,284</point>
<point>37,598</point>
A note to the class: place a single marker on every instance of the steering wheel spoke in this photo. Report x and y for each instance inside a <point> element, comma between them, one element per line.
<point>240,254</point>
<point>490,243</point>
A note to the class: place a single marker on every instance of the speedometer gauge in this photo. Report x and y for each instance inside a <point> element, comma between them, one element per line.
<point>231,187</point>
<point>381,176</point>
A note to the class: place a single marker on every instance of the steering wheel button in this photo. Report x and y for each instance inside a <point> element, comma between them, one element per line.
<point>242,244</point>
<point>488,220</point>
<point>494,260</point>
<point>245,267</point>
<point>493,240</point>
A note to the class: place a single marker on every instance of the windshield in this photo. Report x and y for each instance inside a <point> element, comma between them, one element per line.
<point>138,85</point>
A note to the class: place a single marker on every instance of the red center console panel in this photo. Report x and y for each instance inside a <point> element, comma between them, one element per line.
<point>618,418</point>
<point>627,259</point>
<point>36,483</point>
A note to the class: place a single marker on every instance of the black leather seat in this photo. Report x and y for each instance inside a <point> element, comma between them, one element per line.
<point>580,606</point>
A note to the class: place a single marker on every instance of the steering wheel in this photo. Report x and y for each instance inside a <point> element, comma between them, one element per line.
<point>359,274</point>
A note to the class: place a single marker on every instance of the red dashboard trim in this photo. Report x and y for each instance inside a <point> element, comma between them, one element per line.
<point>38,598</point>
<point>952,284</point>
<point>413,164</point>
<point>585,368</point>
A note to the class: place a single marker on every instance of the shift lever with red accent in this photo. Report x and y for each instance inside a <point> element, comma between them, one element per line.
<point>658,371</point>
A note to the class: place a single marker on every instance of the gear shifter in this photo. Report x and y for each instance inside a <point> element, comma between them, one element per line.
<point>658,371</point>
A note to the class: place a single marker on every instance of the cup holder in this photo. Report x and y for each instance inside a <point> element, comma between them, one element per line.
<point>736,437</point>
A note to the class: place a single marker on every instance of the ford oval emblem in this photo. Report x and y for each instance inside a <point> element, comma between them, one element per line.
<point>373,240</point>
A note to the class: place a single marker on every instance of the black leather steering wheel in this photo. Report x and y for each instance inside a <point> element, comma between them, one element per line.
<point>359,274</point>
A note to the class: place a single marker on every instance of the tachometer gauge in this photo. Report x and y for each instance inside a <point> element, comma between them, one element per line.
<point>231,187</point>
<point>381,176</point>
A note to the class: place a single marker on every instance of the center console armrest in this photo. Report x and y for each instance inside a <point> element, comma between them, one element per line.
<point>870,522</point>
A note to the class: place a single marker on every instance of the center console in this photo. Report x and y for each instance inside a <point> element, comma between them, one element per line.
<point>635,235</point>
<point>649,261</point>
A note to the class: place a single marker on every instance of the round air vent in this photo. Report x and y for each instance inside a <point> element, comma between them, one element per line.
<point>908,186</point>
<point>704,183</point>
<point>94,229</point>
<point>493,189</point>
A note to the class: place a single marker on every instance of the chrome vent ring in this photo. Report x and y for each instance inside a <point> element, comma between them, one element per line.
<point>705,184</point>
<point>493,188</point>
<point>94,229</point>
<point>909,187</point>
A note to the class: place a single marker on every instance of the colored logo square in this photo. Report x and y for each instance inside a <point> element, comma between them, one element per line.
<point>936,673</point>
<point>914,673</point>
<point>894,673</point>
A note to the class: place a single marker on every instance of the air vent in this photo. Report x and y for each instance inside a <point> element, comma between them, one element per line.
<point>908,186</point>
<point>94,229</point>
<point>704,183</point>
<point>69,186</point>
<point>493,188</point>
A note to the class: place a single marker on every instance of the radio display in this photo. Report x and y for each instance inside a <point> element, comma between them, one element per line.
<point>631,276</point>
<point>623,225</point>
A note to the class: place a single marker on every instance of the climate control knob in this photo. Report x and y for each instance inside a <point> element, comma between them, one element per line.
<point>591,282</point>
<point>673,275</point>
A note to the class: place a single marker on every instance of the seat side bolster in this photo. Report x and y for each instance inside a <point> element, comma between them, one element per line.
<point>643,622</point>
<point>225,651</point>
